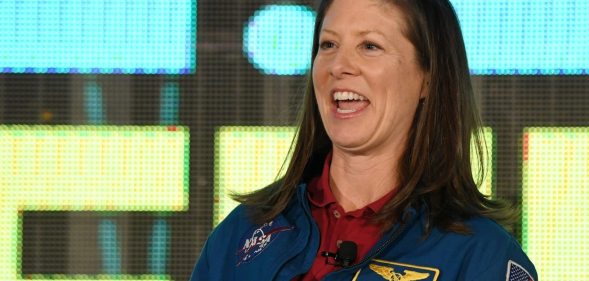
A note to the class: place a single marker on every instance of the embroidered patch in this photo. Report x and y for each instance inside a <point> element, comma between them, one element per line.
<point>386,270</point>
<point>516,272</point>
<point>257,240</point>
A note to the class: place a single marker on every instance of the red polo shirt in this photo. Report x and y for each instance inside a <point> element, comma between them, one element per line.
<point>337,225</point>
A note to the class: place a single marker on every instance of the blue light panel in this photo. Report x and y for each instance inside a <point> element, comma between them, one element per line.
<point>525,37</point>
<point>277,39</point>
<point>98,36</point>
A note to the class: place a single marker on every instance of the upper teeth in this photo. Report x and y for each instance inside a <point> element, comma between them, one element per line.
<point>337,96</point>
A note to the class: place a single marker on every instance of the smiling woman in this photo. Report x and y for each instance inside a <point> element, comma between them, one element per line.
<point>371,59</point>
<point>380,183</point>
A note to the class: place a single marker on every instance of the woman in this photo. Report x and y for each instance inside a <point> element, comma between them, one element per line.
<point>380,183</point>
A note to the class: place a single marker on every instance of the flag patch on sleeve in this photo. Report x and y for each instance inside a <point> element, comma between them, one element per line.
<point>516,272</point>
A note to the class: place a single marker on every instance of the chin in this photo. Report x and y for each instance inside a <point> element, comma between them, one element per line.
<point>348,144</point>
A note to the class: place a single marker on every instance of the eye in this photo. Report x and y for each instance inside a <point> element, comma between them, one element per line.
<point>326,45</point>
<point>371,46</point>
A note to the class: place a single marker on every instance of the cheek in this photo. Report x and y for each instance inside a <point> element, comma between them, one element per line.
<point>320,85</point>
<point>316,82</point>
<point>403,85</point>
<point>314,77</point>
<point>318,73</point>
<point>400,93</point>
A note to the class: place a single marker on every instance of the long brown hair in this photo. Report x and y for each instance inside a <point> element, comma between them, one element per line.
<point>435,170</point>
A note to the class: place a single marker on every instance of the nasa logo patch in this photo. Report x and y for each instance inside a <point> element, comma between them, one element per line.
<point>255,241</point>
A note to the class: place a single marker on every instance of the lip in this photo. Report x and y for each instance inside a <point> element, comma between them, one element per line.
<point>341,115</point>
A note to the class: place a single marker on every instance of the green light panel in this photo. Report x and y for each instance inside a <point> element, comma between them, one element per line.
<point>249,158</point>
<point>246,159</point>
<point>555,187</point>
<point>87,168</point>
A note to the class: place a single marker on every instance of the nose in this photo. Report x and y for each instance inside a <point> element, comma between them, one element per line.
<point>344,64</point>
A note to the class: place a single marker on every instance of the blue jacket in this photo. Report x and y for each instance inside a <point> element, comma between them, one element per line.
<point>286,247</point>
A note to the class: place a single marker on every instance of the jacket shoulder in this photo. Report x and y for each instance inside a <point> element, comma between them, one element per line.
<point>219,250</point>
<point>494,252</point>
<point>231,228</point>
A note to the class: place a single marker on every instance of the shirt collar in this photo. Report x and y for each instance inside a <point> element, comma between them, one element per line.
<point>320,194</point>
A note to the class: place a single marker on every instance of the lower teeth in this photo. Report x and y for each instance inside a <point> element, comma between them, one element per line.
<point>339,110</point>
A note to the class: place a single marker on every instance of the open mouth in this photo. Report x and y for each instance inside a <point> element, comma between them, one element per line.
<point>349,102</point>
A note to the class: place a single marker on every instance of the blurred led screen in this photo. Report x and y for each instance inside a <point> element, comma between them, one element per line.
<point>556,201</point>
<point>249,158</point>
<point>278,38</point>
<point>525,36</point>
<point>87,168</point>
<point>98,36</point>
<point>503,37</point>
<point>249,71</point>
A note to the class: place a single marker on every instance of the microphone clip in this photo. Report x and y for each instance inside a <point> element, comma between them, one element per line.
<point>345,256</point>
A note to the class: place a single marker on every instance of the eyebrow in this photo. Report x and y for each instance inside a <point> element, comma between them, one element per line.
<point>364,32</point>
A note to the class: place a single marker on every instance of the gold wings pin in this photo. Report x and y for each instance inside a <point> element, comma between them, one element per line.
<point>388,273</point>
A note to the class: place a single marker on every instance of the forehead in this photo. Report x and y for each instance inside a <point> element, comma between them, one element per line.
<point>379,15</point>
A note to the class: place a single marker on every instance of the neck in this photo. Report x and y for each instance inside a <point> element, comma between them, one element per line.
<point>358,180</point>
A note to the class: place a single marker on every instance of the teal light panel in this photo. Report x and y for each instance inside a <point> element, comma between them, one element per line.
<point>159,245</point>
<point>277,39</point>
<point>93,104</point>
<point>98,36</point>
<point>502,37</point>
<point>110,247</point>
<point>523,37</point>
<point>169,103</point>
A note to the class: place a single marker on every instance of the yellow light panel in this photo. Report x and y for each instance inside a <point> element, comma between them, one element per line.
<point>87,168</point>
<point>249,158</point>
<point>556,201</point>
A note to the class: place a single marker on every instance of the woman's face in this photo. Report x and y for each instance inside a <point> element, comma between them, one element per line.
<point>366,76</point>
